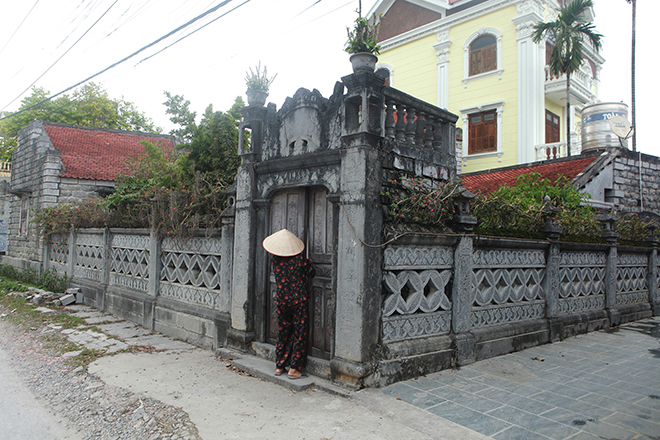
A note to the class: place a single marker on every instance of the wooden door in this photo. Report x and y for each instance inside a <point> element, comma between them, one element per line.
<point>320,248</point>
<point>307,213</point>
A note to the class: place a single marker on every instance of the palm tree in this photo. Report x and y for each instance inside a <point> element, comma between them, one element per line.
<point>568,32</point>
<point>632,68</point>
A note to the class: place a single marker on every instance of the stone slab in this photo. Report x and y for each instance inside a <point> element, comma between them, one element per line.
<point>597,384</point>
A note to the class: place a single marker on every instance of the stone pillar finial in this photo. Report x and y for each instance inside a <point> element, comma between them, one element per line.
<point>651,238</point>
<point>607,227</point>
<point>550,228</point>
<point>463,220</point>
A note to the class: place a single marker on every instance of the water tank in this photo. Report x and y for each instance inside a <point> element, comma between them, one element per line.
<point>596,130</point>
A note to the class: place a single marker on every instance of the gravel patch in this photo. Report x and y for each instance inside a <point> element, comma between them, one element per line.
<point>97,410</point>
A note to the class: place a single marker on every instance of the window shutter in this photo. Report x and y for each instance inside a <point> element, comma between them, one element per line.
<point>482,132</point>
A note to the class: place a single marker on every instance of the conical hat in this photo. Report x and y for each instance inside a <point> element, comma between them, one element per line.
<point>283,244</point>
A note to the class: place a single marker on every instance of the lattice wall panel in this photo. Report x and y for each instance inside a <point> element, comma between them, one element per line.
<point>190,270</point>
<point>632,279</point>
<point>59,252</point>
<point>89,256</point>
<point>509,286</point>
<point>130,261</point>
<point>582,281</point>
<point>416,300</point>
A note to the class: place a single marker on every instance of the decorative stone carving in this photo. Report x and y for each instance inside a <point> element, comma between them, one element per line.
<point>576,305</point>
<point>414,292</point>
<point>191,269</point>
<point>418,257</point>
<point>89,256</point>
<point>582,281</point>
<point>508,313</point>
<point>189,294</point>
<point>399,328</point>
<point>416,303</point>
<point>59,250</point>
<point>508,286</point>
<point>196,245</point>
<point>507,258</point>
<point>632,298</point>
<point>501,286</point>
<point>632,278</point>
<point>130,261</point>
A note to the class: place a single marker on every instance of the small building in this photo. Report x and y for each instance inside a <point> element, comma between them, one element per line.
<point>616,178</point>
<point>60,163</point>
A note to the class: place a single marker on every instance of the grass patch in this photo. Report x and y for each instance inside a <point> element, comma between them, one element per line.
<point>86,357</point>
<point>22,314</point>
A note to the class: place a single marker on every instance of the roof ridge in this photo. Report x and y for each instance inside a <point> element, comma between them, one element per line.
<point>109,130</point>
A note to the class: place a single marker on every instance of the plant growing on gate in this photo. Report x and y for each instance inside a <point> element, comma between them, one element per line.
<point>258,80</point>
<point>419,200</point>
<point>632,229</point>
<point>363,37</point>
<point>510,211</point>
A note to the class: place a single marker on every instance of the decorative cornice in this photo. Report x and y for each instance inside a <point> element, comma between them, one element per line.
<point>444,24</point>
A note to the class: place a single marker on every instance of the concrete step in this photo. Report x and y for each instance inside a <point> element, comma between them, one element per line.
<point>265,369</point>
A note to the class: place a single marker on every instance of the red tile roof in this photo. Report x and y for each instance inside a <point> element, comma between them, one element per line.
<point>99,154</point>
<point>489,181</point>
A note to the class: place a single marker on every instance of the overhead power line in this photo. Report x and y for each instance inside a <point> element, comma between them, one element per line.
<point>62,56</point>
<point>204,14</point>
<point>187,35</point>
<point>19,26</point>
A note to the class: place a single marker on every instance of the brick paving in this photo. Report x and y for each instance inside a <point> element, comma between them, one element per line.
<point>600,385</point>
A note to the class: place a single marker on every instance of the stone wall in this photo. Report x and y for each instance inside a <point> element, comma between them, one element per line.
<point>627,181</point>
<point>449,301</point>
<point>177,287</point>
<point>444,300</point>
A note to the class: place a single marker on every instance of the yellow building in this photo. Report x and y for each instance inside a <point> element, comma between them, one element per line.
<point>476,58</point>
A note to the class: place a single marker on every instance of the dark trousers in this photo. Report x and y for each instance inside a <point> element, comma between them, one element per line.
<point>292,335</point>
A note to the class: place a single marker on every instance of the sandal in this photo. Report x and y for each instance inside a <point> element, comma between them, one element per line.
<point>279,371</point>
<point>297,377</point>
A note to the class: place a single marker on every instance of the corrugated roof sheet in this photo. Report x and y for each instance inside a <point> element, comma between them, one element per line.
<point>98,154</point>
<point>489,181</point>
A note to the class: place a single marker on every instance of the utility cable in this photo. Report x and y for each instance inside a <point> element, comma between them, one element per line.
<point>62,56</point>
<point>187,35</point>
<point>19,26</point>
<point>204,14</point>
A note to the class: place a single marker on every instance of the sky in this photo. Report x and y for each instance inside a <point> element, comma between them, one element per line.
<point>58,43</point>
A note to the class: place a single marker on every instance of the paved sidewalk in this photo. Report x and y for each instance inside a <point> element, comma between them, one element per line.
<point>601,385</point>
<point>604,385</point>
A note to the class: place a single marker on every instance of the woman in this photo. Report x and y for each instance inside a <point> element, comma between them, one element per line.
<point>292,272</point>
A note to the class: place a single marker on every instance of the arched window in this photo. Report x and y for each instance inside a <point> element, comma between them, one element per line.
<point>483,55</point>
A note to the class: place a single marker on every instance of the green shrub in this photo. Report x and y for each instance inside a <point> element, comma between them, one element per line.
<point>48,280</point>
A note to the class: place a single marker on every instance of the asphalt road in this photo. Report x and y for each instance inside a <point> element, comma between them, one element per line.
<point>22,416</point>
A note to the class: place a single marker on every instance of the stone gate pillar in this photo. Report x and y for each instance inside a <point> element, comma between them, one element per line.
<point>242,332</point>
<point>359,256</point>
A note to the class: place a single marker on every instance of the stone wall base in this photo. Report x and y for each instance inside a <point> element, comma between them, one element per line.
<point>390,371</point>
<point>634,312</point>
<point>21,263</point>
<point>130,305</point>
<point>197,325</point>
<point>507,338</point>
<point>562,327</point>
<point>93,292</point>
